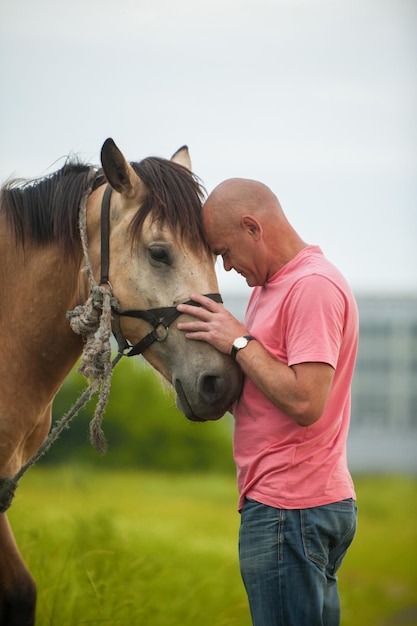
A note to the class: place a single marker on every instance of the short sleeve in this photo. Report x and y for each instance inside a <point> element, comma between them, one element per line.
<point>315,314</point>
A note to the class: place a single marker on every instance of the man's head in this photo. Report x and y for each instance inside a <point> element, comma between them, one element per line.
<point>245,224</point>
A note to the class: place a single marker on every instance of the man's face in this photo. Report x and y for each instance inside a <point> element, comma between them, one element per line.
<point>233,244</point>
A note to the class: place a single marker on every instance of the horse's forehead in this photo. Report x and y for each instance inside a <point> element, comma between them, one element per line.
<point>154,230</point>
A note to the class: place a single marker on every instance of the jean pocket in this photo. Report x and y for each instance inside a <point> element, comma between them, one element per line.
<point>327,532</point>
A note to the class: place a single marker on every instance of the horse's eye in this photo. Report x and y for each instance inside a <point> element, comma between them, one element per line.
<point>159,254</point>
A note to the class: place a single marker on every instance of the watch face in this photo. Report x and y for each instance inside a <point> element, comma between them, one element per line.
<point>240,342</point>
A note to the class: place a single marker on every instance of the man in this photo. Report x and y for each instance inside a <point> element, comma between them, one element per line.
<point>297,350</point>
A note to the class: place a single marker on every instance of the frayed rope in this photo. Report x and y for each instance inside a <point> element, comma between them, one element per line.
<point>93,322</point>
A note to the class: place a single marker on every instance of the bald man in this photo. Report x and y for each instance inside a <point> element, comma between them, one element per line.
<point>297,349</point>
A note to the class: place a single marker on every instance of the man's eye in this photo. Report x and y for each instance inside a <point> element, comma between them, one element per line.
<point>159,254</point>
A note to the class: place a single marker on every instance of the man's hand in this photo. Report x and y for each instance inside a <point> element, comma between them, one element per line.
<point>212,323</point>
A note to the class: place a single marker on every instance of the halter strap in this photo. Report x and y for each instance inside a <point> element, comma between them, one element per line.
<point>160,318</point>
<point>105,236</point>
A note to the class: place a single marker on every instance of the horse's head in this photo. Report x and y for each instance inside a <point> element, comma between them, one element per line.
<point>158,256</point>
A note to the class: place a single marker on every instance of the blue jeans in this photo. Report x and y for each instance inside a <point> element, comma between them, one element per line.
<point>289,560</point>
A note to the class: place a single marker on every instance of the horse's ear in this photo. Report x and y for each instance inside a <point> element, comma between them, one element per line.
<point>182,157</point>
<point>119,173</point>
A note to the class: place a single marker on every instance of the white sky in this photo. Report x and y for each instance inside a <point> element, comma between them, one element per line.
<point>315,98</point>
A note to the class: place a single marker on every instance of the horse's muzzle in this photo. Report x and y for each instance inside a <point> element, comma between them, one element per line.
<point>213,398</point>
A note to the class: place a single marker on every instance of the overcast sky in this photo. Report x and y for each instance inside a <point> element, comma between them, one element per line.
<point>315,98</point>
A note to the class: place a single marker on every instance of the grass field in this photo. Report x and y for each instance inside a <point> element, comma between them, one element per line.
<point>144,549</point>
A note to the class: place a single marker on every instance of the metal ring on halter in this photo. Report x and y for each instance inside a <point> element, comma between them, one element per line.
<point>158,337</point>
<point>107,282</point>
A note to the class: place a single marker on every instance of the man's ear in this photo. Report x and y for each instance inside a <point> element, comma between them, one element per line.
<point>251,225</point>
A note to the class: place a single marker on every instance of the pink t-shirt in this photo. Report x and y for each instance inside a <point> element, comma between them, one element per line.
<point>305,313</point>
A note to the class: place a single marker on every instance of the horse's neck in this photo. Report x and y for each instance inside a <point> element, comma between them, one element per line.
<point>37,289</point>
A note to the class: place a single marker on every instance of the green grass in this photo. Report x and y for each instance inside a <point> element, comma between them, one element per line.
<point>378,578</point>
<point>130,549</point>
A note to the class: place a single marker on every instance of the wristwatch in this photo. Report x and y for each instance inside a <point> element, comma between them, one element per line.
<point>239,343</point>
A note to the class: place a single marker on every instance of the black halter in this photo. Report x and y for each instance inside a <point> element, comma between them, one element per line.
<point>160,318</point>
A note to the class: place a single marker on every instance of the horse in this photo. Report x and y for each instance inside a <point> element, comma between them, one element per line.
<point>142,246</point>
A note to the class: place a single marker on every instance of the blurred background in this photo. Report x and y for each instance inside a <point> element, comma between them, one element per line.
<point>315,98</point>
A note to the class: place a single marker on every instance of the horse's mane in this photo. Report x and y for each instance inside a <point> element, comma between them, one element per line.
<point>46,209</point>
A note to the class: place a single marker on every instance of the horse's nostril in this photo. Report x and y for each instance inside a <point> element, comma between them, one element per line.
<point>211,387</point>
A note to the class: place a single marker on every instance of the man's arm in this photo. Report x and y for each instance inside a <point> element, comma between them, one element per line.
<point>300,391</point>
